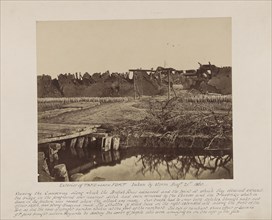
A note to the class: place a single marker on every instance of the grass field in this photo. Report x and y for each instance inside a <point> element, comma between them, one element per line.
<point>56,103</point>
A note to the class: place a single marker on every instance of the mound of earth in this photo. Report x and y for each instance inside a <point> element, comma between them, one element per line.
<point>220,82</point>
<point>96,85</point>
<point>48,87</point>
<point>119,84</point>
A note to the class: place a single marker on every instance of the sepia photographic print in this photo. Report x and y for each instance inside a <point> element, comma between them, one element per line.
<point>123,100</point>
<point>130,110</point>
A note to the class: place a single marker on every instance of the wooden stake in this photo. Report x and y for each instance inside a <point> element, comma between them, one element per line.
<point>115,143</point>
<point>168,84</point>
<point>42,164</point>
<point>160,78</point>
<point>80,142</point>
<point>72,146</point>
<point>43,171</point>
<point>107,144</point>
<point>61,173</point>
<point>86,142</point>
<point>134,84</point>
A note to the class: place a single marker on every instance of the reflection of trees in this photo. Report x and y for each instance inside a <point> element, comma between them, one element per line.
<point>178,166</point>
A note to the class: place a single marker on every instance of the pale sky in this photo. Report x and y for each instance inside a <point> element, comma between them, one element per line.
<point>119,45</point>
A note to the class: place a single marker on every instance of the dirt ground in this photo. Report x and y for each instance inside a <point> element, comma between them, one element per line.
<point>109,113</point>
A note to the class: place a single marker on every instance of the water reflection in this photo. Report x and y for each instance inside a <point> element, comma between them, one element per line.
<point>185,166</point>
<point>146,164</point>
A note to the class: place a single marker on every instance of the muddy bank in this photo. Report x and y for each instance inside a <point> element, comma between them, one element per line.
<point>181,142</point>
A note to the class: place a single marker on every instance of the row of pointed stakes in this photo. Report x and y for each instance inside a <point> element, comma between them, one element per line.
<point>96,140</point>
<point>101,141</point>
